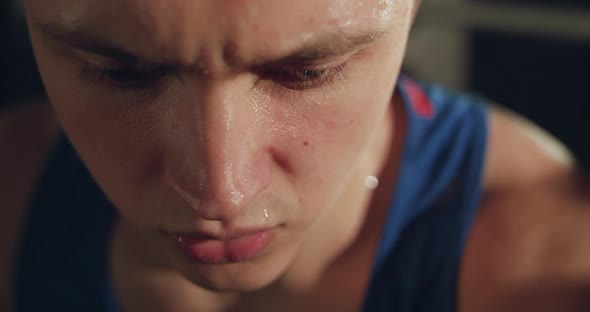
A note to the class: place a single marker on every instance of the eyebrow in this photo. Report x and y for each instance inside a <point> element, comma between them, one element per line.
<point>334,44</point>
<point>328,45</point>
<point>93,43</point>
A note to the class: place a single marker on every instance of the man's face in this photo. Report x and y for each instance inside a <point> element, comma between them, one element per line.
<point>222,117</point>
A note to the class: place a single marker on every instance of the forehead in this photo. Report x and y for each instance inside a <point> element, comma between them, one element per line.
<point>181,29</point>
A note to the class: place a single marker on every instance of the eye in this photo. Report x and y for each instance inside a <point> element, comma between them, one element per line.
<point>309,74</point>
<point>303,78</point>
<point>123,77</point>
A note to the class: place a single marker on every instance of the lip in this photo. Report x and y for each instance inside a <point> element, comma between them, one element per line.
<point>221,249</point>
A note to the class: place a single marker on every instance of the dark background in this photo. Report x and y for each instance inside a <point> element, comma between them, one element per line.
<point>547,3</point>
<point>19,80</point>
<point>546,78</point>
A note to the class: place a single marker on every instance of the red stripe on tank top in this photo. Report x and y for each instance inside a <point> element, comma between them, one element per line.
<point>419,101</point>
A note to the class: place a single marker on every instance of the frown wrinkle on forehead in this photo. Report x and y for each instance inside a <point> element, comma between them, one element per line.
<point>218,34</point>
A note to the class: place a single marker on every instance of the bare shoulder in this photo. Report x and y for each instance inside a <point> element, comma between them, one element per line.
<point>529,247</point>
<point>26,135</point>
<point>520,153</point>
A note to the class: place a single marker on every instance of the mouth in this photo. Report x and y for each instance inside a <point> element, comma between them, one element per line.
<point>237,246</point>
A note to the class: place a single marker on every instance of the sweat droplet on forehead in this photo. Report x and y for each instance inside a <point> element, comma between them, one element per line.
<point>377,14</point>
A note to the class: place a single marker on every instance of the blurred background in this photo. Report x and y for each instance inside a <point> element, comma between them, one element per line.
<point>532,56</point>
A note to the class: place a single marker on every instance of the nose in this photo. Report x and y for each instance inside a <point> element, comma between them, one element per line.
<point>230,161</point>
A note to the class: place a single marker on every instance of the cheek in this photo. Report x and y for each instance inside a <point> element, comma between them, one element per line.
<point>117,141</point>
<point>124,155</point>
<point>108,139</point>
<point>330,137</point>
<point>120,145</point>
<point>335,130</point>
<point>324,144</point>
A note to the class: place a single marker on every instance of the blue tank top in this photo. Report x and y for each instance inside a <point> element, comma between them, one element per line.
<point>63,262</point>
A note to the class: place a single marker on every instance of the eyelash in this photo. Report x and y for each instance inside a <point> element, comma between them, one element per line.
<point>137,78</point>
<point>306,78</point>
